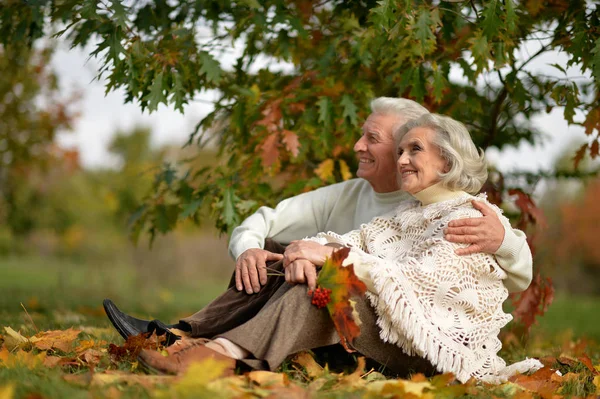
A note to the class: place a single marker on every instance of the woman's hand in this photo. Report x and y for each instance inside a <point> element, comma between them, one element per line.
<point>314,252</point>
<point>301,271</point>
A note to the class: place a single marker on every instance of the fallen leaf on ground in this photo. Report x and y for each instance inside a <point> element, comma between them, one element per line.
<point>91,356</point>
<point>7,391</point>
<point>13,339</point>
<point>597,384</point>
<point>540,382</point>
<point>58,339</point>
<point>585,359</point>
<point>399,387</point>
<point>199,374</point>
<point>115,377</point>
<point>305,359</point>
<point>268,378</point>
<point>134,345</point>
<point>22,358</point>
<point>90,344</point>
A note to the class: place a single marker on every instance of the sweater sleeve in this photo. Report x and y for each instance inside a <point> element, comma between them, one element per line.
<point>514,256</point>
<point>292,219</point>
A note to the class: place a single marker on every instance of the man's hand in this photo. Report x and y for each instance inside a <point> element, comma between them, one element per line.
<point>485,234</point>
<point>309,250</point>
<point>301,271</point>
<point>251,269</point>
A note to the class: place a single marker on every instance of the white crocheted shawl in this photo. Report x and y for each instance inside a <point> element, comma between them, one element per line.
<point>430,301</point>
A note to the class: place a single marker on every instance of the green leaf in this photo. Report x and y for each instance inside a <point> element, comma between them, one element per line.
<point>511,16</point>
<point>179,94</point>
<point>230,216</point>
<point>491,21</point>
<point>166,217</point>
<point>324,105</point>
<point>156,95</point>
<point>596,60</point>
<point>191,208</point>
<point>120,13</point>
<point>253,4</point>
<point>210,67</point>
<point>349,109</point>
<point>424,32</point>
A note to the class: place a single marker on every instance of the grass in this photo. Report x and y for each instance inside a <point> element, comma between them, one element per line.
<point>59,294</point>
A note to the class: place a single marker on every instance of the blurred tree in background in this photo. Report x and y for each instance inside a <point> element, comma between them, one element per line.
<point>32,112</point>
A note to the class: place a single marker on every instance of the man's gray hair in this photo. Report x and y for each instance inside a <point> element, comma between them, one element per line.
<point>467,166</point>
<point>400,107</point>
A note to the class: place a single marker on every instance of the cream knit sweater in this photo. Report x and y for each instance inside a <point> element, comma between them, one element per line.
<point>430,301</point>
<point>343,207</point>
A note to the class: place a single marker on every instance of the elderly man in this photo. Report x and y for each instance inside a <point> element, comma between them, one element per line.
<point>339,208</point>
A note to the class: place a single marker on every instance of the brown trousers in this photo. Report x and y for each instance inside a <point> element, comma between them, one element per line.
<point>280,320</point>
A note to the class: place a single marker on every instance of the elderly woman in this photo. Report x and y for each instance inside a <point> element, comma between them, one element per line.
<point>426,306</point>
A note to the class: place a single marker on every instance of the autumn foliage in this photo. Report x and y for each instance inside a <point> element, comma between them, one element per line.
<point>342,285</point>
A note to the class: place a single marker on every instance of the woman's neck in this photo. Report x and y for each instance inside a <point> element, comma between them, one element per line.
<point>436,193</point>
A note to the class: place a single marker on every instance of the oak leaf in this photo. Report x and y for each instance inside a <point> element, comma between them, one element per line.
<point>343,284</point>
<point>269,150</point>
<point>534,301</point>
<point>290,139</point>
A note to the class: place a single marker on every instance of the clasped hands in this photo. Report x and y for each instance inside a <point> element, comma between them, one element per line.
<point>301,258</point>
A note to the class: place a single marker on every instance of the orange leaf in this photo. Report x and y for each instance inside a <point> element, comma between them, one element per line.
<point>269,150</point>
<point>58,339</point>
<point>588,363</point>
<point>291,142</point>
<point>540,382</point>
<point>343,284</point>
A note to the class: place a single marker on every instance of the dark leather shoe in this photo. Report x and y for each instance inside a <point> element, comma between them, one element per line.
<point>129,326</point>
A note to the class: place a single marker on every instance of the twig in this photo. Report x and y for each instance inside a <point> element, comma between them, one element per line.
<point>30,319</point>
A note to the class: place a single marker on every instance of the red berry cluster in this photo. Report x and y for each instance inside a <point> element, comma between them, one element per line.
<point>320,297</point>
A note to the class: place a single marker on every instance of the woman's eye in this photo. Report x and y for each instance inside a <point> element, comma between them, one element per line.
<point>416,148</point>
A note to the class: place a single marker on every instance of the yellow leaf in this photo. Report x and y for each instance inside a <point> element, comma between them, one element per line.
<point>199,375</point>
<point>305,359</point>
<point>13,339</point>
<point>268,378</point>
<point>7,391</point>
<point>345,170</point>
<point>325,170</point>
<point>597,384</point>
<point>23,359</point>
<point>408,387</point>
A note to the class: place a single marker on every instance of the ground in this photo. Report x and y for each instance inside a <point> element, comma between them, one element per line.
<point>56,342</point>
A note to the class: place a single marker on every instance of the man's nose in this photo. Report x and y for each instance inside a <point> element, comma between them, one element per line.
<point>360,145</point>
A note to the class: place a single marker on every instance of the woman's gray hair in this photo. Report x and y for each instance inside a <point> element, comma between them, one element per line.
<point>467,166</point>
<point>400,107</point>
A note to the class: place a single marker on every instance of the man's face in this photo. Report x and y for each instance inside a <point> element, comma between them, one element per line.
<point>376,152</point>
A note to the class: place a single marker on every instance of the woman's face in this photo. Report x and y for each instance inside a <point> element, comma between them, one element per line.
<point>419,160</point>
